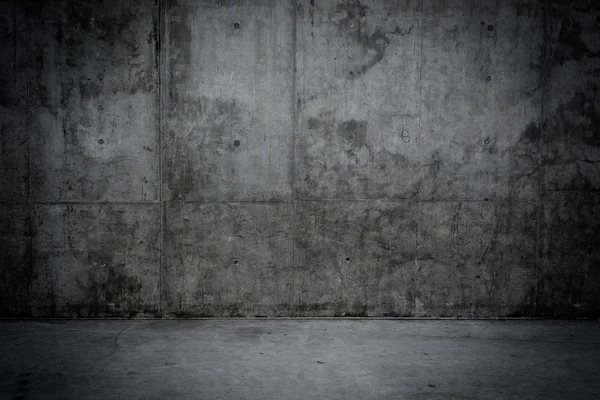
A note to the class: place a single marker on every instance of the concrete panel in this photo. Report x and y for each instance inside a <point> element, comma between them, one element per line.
<point>14,155</point>
<point>355,258</point>
<point>481,100</point>
<point>570,256</point>
<point>571,142</point>
<point>228,72</point>
<point>228,260</point>
<point>93,77</point>
<point>476,259</point>
<point>358,121</point>
<point>15,261</point>
<point>14,144</point>
<point>96,260</point>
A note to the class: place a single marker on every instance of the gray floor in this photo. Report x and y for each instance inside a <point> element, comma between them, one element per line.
<point>300,359</point>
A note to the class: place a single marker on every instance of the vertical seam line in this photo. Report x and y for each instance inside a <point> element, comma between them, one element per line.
<point>160,65</point>
<point>293,156</point>
<point>544,74</point>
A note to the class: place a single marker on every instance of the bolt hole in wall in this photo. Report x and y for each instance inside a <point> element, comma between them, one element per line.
<point>362,126</point>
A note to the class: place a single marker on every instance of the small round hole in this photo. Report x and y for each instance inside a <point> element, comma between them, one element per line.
<point>348,259</point>
<point>489,78</point>
<point>490,28</point>
<point>236,25</point>
<point>236,262</point>
<point>486,141</point>
<point>236,143</point>
<point>101,141</point>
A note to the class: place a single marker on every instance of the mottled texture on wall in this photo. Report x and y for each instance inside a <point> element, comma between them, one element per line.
<point>80,159</point>
<point>239,158</point>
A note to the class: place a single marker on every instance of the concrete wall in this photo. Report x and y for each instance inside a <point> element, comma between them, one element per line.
<point>299,158</point>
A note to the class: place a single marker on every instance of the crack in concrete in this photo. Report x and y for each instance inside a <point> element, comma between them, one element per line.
<point>115,341</point>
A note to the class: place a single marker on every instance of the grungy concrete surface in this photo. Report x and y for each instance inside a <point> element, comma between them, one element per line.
<point>185,158</point>
<point>301,359</point>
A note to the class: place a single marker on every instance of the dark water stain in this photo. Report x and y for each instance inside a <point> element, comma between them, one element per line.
<point>527,307</point>
<point>109,289</point>
<point>571,131</point>
<point>578,118</point>
<point>90,89</point>
<point>354,23</point>
<point>567,43</point>
<point>351,136</point>
<point>402,32</point>
<point>527,9</point>
<point>233,310</point>
<point>354,133</point>
<point>361,167</point>
<point>353,8</point>
<point>569,278</point>
<point>85,30</point>
<point>523,160</point>
<point>580,5</point>
<point>180,36</point>
<point>531,132</point>
<point>567,294</point>
<point>105,288</point>
<point>22,385</point>
<point>16,261</point>
<point>86,50</point>
<point>376,42</point>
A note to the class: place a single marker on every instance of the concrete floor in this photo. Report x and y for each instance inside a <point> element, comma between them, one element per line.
<point>300,359</point>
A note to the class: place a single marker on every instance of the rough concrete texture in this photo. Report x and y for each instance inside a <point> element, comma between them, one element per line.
<point>326,359</point>
<point>355,258</point>
<point>252,246</point>
<point>299,158</point>
<point>228,103</point>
